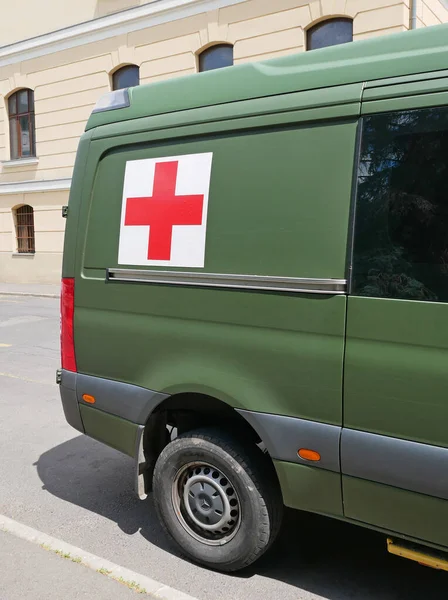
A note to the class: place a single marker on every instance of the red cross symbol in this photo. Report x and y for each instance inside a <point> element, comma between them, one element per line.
<point>163,210</point>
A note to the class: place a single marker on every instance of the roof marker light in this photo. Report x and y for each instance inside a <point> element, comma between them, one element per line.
<point>112,101</point>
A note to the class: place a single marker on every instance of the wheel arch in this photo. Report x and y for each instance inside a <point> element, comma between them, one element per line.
<point>184,412</point>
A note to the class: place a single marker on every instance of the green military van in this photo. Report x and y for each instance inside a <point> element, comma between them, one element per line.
<point>255,295</point>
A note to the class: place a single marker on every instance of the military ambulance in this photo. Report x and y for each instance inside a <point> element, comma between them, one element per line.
<point>255,295</point>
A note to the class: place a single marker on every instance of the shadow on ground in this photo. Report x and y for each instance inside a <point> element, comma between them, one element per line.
<point>326,557</point>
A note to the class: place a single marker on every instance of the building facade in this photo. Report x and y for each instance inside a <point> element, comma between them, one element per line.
<point>55,65</point>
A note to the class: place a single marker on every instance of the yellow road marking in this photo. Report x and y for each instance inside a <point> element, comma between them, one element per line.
<point>11,376</point>
<point>5,345</point>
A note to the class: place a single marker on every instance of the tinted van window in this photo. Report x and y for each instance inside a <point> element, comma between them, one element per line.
<point>401,227</point>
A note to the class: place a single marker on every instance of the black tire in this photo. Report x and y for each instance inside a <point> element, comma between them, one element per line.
<point>246,476</point>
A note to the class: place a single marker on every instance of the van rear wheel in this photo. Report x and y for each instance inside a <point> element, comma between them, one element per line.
<point>218,499</point>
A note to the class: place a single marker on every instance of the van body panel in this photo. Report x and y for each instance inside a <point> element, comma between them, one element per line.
<point>116,432</point>
<point>395,510</point>
<point>395,378</point>
<point>254,351</point>
<point>306,488</point>
<point>220,342</point>
<point>248,210</point>
<point>77,189</point>
<point>396,375</point>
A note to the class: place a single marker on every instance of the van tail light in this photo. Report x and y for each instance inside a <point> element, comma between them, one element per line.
<point>67,318</point>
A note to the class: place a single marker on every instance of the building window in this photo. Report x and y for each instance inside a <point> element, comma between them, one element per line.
<point>329,33</point>
<point>25,230</point>
<point>401,230</point>
<point>216,57</point>
<point>126,77</point>
<point>21,124</point>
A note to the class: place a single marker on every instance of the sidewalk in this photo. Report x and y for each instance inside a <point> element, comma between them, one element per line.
<point>37,566</point>
<point>32,289</point>
<point>29,571</point>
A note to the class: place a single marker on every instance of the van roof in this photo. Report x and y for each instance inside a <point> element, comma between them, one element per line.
<point>406,53</point>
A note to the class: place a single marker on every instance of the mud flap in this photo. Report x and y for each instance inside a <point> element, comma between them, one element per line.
<point>141,467</point>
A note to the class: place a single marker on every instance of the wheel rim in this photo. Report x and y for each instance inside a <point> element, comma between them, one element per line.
<point>206,503</point>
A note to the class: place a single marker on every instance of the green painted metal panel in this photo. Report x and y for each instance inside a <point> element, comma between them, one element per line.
<point>310,489</point>
<point>398,55</point>
<point>277,353</point>
<point>396,375</point>
<point>417,77</point>
<point>335,102</point>
<point>405,103</point>
<point>418,516</point>
<point>403,89</point>
<point>113,431</point>
<point>270,212</point>
<point>76,191</point>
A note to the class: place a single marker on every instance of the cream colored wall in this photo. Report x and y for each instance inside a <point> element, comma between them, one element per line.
<point>44,16</point>
<point>68,83</point>
<point>431,12</point>
<point>45,265</point>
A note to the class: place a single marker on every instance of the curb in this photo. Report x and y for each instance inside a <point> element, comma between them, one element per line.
<point>96,563</point>
<point>33,294</point>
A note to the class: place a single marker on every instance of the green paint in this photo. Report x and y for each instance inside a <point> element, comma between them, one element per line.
<point>391,509</point>
<point>259,351</point>
<point>113,431</point>
<point>310,489</point>
<point>396,375</point>
<point>262,220</point>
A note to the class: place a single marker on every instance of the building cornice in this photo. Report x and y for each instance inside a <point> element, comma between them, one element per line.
<point>30,187</point>
<point>133,19</point>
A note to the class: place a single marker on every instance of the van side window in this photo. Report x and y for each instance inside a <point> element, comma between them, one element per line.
<point>401,226</point>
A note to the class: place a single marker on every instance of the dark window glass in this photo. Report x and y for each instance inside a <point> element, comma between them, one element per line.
<point>330,33</point>
<point>12,105</point>
<point>21,124</point>
<point>22,102</point>
<point>25,230</point>
<point>126,77</point>
<point>216,57</point>
<point>401,230</point>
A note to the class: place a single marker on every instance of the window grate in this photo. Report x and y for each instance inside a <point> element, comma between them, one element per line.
<point>25,230</point>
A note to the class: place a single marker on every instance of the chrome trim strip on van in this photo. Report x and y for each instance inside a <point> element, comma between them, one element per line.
<point>218,280</point>
<point>404,464</point>
<point>285,436</point>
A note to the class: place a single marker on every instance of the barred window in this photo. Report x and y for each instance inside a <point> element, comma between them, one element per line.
<point>25,230</point>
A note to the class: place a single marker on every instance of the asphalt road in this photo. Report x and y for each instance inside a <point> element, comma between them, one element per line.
<point>73,488</point>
